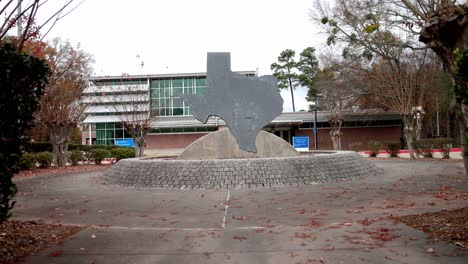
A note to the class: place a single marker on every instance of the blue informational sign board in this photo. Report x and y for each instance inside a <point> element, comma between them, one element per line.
<point>301,143</point>
<point>128,142</point>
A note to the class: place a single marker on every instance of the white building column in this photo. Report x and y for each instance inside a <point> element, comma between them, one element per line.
<point>90,135</point>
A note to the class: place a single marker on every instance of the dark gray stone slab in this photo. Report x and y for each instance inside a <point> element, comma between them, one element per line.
<point>246,104</point>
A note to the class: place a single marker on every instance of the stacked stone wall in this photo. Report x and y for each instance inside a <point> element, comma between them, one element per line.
<point>239,173</point>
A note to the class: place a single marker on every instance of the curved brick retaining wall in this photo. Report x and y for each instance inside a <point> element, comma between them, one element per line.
<point>239,173</point>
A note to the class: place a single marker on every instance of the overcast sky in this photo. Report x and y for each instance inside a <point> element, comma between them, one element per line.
<point>174,36</point>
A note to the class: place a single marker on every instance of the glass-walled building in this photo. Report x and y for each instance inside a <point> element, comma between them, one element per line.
<point>165,94</point>
<point>115,98</point>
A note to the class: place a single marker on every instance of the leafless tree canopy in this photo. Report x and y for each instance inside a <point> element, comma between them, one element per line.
<point>22,15</point>
<point>394,37</point>
<point>130,107</point>
<point>136,115</point>
<point>336,92</point>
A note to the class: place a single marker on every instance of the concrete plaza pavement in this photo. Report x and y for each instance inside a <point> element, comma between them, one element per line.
<point>345,222</point>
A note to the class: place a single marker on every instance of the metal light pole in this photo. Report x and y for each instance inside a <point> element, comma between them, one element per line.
<point>315,130</point>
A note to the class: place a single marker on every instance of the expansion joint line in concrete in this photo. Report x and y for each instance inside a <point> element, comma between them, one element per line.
<point>226,207</point>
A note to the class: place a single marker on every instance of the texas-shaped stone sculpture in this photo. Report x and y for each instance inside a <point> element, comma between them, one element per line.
<point>245,103</point>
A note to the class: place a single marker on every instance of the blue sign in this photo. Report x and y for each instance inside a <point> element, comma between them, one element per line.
<point>301,143</point>
<point>128,142</point>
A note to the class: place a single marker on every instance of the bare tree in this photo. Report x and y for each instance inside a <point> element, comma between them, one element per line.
<point>137,117</point>
<point>61,106</point>
<point>367,31</point>
<point>134,113</point>
<point>385,29</point>
<point>336,93</point>
<point>444,29</point>
<point>23,16</point>
<point>403,90</point>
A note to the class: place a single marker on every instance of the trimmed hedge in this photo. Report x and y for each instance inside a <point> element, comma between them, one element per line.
<point>355,146</point>
<point>44,158</point>
<point>444,145</point>
<point>27,161</point>
<point>426,146</point>
<point>392,148</point>
<point>122,153</point>
<point>374,147</point>
<point>98,155</point>
<point>75,157</point>
<point>35,147</point>
<point>38,147</point>
<point>76,153</point>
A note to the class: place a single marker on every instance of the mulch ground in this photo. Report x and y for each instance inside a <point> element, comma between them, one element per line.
<point>18,240</point>
<point>449,225</point>
<point>58,170</point>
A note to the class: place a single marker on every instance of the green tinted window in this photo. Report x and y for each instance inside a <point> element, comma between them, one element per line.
<point>177,102</point>
<point>188,82</point>
<point>109,133</point>
<point>178,111</point>
<point>188,90</point>
<point>201,82</point>
<point>100,134</point>
<point>165,111</point>
<point>155,84</point>
<point>119,133</point>
<point>177,91</point>
<point>201,90</point>
<point>177,82</point>
<point>109,125</point>
<point>154,93</point>
<point>100,125</point>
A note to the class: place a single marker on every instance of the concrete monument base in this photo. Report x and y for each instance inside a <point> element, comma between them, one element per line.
<point>222,145</point>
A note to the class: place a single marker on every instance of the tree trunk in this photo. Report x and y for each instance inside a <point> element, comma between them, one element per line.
<point>336,139</point>
<point>142,148</point>
<point>59,137</point>
<point>136,147</point>
<point>292,95</point>
<point>447,34</point>
<point>462,124</point>
<point>408,131</point>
